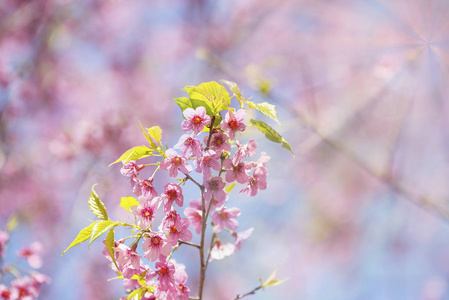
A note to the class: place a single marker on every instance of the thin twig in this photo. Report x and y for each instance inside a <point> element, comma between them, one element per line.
<point>190,244</point>
<point>247,294</point>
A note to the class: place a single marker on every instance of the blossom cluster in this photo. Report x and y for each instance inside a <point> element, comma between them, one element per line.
<point>203,156</point>
<point>22,287</point>
<point>215,163</point>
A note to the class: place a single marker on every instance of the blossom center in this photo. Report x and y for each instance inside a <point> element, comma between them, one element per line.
<point>163,271</point>
<point>196,120</point>
<point>155,240</point>
<point>176,161</point>
<point>171,194</point>
<point>233,124</point>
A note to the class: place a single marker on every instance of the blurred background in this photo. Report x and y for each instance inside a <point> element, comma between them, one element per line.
<point>361,87</point>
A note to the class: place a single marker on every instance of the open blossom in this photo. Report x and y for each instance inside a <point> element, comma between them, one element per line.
<point>180,281</point>
<point>131,169</point>
<point>236,172</point>
<point>209,160</point>
<point>220,251</point>
<point>6,293</point>
<point>144,187</point>
<point>179,231</point>
<point>219,142</point>
<point>195,119</point>
<point>169,220</point>
<point>244,151</point>
<point>146,211</point>
<point>165,272</point>
<point>23,288</point>
<point>214,189</point>
<point>127,260</point>
<point>155,246</point>
<point>32,254</point>
<point>173,162</point>
<point>189,146</point>
<point>257,182</point>
<point>234,122</point>
<point>194,214</point>
<point>226,217</point>
<point>241,236</point>
<point>260,165</point>
<point>172,193</point>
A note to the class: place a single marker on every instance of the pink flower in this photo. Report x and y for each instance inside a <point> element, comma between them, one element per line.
<point>220,251</point>
<point>209,160</point>
<point>155,246</point>
<point>179,231</point>
<point>234,122</point>
<point>244,151</point>
<point>214,189</point>
<point>164,272</point>
<point>6,293</point>
<point>23,288</point>
<point>190,147</point>
<point>261,163</point>
<point>131,169</point>
<point>241,236</point>
<point>257,182</point>
<point>172,193</point>
<point>146,211</point>
<point>236,172</point>
<point>195,217</point>
<point>144,187</point>
<point>4,238</point>
<point>180,281</point>
<point>226,218</point>
<point>127,260</point>
<point>31,254</point>
<point>196,119</point>
<point>219,142</point>
<point>173,162</point>
<point>169,220</point>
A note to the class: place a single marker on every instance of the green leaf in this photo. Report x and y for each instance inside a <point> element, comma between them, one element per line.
<point>12,223</point>
<point>156,133</point>
<point>99,228</point>
<point>96,205</point>
<point>236,91</point>
<point>82,236</point>
<point>212,93</point>
<point>271,281</point>
<point>127,202</point>
<point>271,134</point>
<point>267,109</point>
<point>134,153</point>
<point>110,242</point>
<point>147,137</point>
<point>229,188</point>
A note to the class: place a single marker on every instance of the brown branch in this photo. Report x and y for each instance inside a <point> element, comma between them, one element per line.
<point>247,294</point>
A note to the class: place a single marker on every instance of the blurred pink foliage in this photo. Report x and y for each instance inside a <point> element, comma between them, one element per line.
<point>363,85</point>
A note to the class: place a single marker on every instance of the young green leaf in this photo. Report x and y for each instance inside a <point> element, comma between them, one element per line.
<point>127,202</point>
<point>134,153</point>
<point>267,109</point>
<point>236,91</point>
<point>12,223</point>
<point>96,205</point>
<point>212,93</point>
<point>82,236</point>
<point>230,187</point>
<point>156,133</point>
<point>147,137</point>
<point>271,134</point>
<point>110,242</point>
<point>271,281</point>
<point>99,228</point>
